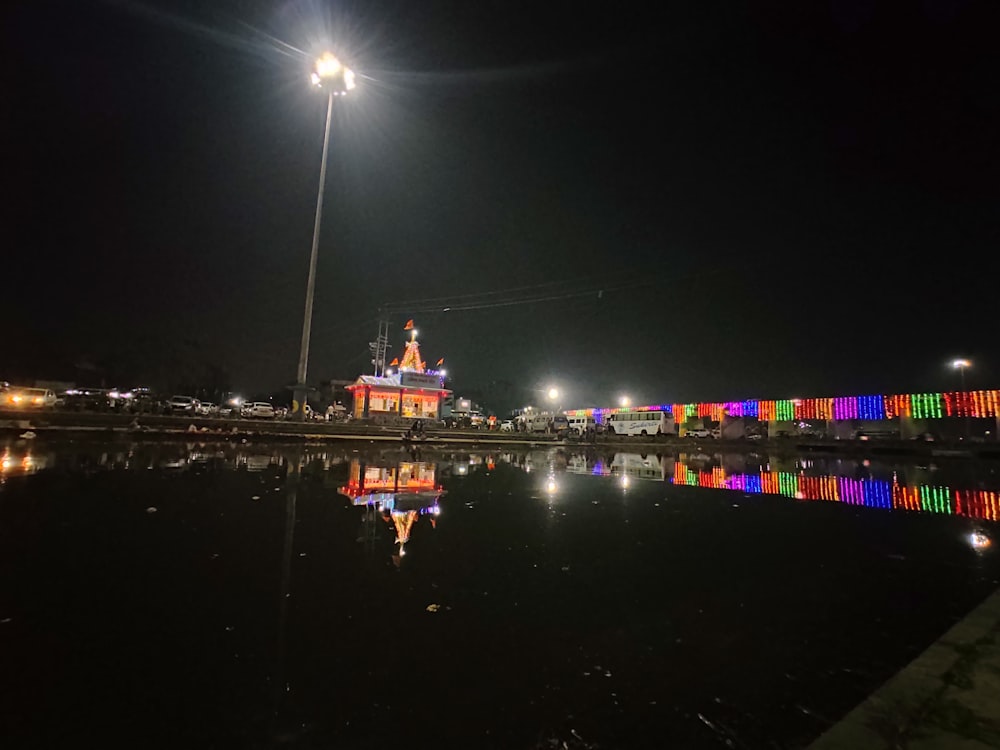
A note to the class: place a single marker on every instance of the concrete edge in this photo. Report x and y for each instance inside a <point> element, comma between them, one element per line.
<point>894,705</point>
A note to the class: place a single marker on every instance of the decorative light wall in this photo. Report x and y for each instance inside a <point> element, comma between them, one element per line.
<point>871,407</point>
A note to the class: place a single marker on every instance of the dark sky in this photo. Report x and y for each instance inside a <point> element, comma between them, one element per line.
<point>679,201</point>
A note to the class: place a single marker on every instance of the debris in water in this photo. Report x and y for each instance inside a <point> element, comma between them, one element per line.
<point>433,607</point>
<point>255,497</point>
<point>27,435</point>
<point>151,509</point>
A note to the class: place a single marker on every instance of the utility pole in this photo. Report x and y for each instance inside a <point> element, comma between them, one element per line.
<point>380,346</point>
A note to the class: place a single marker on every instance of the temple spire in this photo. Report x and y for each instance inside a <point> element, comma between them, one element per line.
<point>411,356</point>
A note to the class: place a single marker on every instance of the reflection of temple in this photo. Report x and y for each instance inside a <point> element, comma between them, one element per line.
<point>403,493</point>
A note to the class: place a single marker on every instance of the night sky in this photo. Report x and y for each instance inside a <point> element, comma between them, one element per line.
<point>679,201</point>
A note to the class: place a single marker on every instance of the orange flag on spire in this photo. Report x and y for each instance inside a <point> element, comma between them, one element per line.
<point>441,361</point>
<point>409,325</point>
<point>394,362</point>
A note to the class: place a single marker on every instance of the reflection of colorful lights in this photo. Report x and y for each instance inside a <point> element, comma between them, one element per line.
<point>979,541</point>
<point>871,493</point>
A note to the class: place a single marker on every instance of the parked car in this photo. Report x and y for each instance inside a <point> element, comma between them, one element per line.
<point>183,405</point>
<point>507,425</point>
<point>258,410</point>
<point>29,398</point>
<point>85,399</point>
<point>700,432</point>
<point>207,409</point>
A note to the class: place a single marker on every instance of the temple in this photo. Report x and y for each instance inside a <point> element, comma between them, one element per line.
<point>411,392</point>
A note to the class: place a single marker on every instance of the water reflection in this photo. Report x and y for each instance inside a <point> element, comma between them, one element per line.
<point>408,486</point>
<point>398,494</point>
<point>252,581</point>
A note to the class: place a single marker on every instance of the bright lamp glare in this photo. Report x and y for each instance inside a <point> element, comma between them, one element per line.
<point>958,363</point>
<point>329,71</point>
<point>553,393</point>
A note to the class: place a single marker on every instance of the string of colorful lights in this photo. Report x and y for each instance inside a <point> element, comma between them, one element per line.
<point>871,407</point>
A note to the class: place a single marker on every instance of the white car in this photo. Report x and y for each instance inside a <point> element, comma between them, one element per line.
<point>29,398</point>
<point>699,433</point>
<point>186,404</point>
<point>207,409</point>
<point>507,425</point>
<point>258,410</point>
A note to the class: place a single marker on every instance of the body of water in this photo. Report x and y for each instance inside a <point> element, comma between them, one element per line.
<point>185,595</point>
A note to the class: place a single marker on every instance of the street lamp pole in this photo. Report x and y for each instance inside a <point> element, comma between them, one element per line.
<point>960,365</point>
<point>338,79</point>
<point>300,382</point>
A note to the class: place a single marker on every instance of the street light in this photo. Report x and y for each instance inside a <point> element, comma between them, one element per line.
<point>553,394</point>
<point>961,365</point>
<point>624,401</point>
<point>337,79</point>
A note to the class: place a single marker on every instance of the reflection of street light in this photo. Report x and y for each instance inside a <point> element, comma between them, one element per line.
<point>330,74</point>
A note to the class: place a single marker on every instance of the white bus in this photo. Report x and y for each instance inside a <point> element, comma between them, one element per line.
<point>645,423</point>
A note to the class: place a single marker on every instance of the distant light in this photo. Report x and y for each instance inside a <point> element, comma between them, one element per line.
<point>553,393</point>
<point>443,372</point>
<point>624,401</point>
<point>959,363</point>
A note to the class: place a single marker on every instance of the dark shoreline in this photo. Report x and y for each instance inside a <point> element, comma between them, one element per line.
<point>81,425</point>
